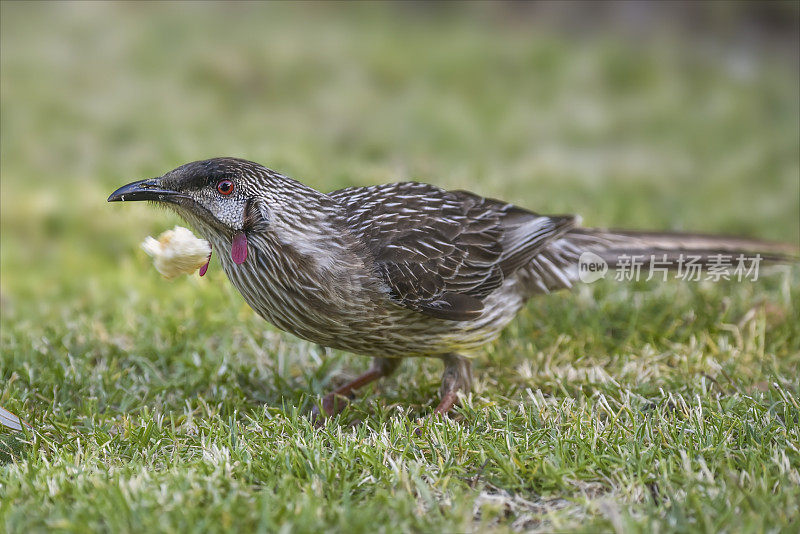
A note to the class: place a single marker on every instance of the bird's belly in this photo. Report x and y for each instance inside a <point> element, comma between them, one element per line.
<point>368,323</point>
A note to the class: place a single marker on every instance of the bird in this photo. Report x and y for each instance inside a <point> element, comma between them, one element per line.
<point>399,270</point>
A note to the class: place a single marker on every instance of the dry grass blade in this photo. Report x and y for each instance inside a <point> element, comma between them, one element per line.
<point>11,421</point>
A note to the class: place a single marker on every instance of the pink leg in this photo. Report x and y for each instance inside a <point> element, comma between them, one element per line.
<point>335,402</point>
<point>457,377</point>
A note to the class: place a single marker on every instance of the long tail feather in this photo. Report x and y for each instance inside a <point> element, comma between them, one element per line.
<point>612,245</point>
<point>558,266</point>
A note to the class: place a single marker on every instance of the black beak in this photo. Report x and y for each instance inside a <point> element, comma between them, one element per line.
<point>144,190</point>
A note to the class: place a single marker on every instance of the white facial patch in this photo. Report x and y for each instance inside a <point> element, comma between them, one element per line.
<point>228,210</point>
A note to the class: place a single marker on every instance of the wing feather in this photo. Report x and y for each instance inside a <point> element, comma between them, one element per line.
<point>442,252</point>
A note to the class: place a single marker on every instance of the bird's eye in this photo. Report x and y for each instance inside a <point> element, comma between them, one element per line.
<point>225,187</point>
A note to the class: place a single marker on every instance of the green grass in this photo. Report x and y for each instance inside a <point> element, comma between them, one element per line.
<point>170,406</point>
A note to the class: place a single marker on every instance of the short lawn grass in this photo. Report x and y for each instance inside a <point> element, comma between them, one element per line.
<point>170,406</point>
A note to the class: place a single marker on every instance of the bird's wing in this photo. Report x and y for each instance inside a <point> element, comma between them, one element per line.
<point>442,252</point>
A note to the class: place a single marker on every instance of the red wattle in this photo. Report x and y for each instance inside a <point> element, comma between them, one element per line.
<point>204,268</point>
<point>239,248</point>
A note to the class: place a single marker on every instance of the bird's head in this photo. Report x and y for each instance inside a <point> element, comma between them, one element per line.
<point>224,195</point>
<point>226,199</point>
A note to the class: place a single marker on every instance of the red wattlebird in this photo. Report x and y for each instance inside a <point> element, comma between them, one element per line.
<point>396,270</point>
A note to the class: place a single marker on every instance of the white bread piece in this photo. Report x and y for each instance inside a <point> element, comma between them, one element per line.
<point>177,251</point>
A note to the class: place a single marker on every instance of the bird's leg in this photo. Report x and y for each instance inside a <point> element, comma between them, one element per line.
<point>334,402</point>
<point>457,377</point>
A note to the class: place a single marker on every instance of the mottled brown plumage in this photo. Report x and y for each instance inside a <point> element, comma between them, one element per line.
<point>389,271</point>
<point>443,252</point>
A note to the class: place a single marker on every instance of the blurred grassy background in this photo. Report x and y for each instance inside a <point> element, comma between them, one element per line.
<point>628,130</point>
<point>640,125</point>
<point>660,116</point>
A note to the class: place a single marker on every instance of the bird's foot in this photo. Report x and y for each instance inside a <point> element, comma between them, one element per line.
<point>336,401</point>
<point>331,404</point>
<point>449,400</point>
<point>457,377</point>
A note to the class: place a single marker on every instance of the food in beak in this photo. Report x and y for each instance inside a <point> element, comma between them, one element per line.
<point>178,251</point>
